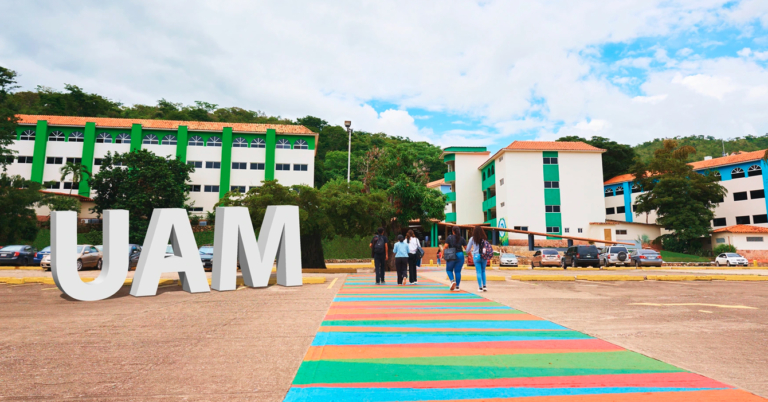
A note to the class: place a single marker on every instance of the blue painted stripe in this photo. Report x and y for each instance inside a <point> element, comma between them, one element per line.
<point>341,394</point>
<point>384,298</point>
<point>390,338</point>
<point>546,325</point>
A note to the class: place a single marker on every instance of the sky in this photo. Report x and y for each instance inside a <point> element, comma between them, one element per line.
<point>449,72</point>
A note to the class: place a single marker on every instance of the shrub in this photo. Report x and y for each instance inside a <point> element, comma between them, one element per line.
<point>194,220</point>
<point>724,248</point>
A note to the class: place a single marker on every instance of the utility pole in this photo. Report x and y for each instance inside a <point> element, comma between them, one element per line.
<point>723,142</point>
<point>348,124</point>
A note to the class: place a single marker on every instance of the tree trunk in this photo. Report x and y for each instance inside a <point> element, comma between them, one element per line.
<point>312,252</point>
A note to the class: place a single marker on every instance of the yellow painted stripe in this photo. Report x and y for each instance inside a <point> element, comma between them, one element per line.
<point>736,306</point>
<point>333,282</point>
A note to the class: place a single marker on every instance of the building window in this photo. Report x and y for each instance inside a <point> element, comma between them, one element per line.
<point>211,189</point>
<point>608,192</point>
<point>240,166</point>
<point>502,204</point>
<point>621,232</point>
<point>257,166</point>
<point>636,188</point>
<point>258,143</point>
<point>610,211</point>
<point>56,136</point>
<point>283,166</point>
<point>551,184</point>
<point>718,222</point>
<point>150,139</point>
<point>720,200</point>
<point>300,167</point>
<point>52,185</point>
<point>716,175</point>
<point>737,173</point>
<point>580,230</point>
<point>566,230</point>
<point>196,141</point>
<point>755,239</point>
<point>755,194</point>
<point>501,182</point>
<point>27,135</point>
<point>523,228</point>
<point>97,161</point>
<point>620,190</point>
<point>720,240</point>
<point>54,160</point>
<point>76,136</point>
<point>24,159</point>
<point>196,209</point>
<point>743,220</point>
<point>237,188</point>
<point>552,208</point>
<point>71,186</point>
<point>550,161</point>
<point>553,229</point>
<point>239,142</point>
<point>252,187</point>
<point>756,219</point>
<point>76,161</point>
<point>214,141</point>
<point>741,196</point>
<point>634,208</point>
<point>213,165</point>
<point>283,144</point>
<point>483,174</point>
<point>123,138</point>
<point>195,164</point>
<point>620,210</point>
<point>169,140</point>
<point>300,144</point>
<point>755,170</point>
<point>194,188</point>
<point>104,137</point>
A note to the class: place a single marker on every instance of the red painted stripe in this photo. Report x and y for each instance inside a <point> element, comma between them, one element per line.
<point>470,317</point>
<point>728,395</point>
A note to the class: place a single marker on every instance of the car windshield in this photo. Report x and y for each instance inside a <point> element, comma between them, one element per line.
<point>79,249</point>
<point>507,256</point>
<point>46,250</point>
<point>549,252</point>
<point>618,249</point>
<point>587,249</point>
<point>169,249</point>
<point>206,250</point>
<point>729,255</point>
<point>100,248</point>
<point>12,248</point>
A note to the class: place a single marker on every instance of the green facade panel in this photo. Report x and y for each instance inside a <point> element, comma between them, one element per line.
<point>450,197</point>
<point>269,165</point>
<point>292,138</point>
<point>135,137</point>
<point>489,182</point>
<point>551,173</point>
<point>226,161</point>
<point>181,143</point>
<point>89,143</point>
<point>450,217</point>
<point>449,158</point>
<point>551,196</point>
<point>549,154</point>
<point>489,203</point>
<point>38,157</point>
<point>449,177</point>
<point>465,149</point>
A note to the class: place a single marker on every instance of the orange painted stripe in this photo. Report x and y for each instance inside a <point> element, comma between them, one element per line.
<point>469,317</point>
<point>406,329</point>
<point>728,395</point>
<point>334,354</point>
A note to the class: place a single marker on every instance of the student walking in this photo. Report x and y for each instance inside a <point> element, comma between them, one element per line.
<point>454,257</point>
<point>414,254</point>
<point>401,260</point>
<point>439,254</point>
<point>380,254</point>
<point>478,248</point>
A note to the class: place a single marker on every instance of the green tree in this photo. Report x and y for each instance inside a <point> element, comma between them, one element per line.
<point>76,170</point>
<point>139,182</point>
<point>684,201</point>
<point>18,220</point>
<point>315,124</point>
<point>59,203</point>
<point>8,119</point>
<point>72,102</point>
<point>617,159</point>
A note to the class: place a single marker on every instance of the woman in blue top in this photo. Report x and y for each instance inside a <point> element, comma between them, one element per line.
<point>453,267</point>
<point>475,250</point>
<point>401,259</point>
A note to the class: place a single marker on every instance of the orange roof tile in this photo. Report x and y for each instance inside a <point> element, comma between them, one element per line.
<point>551,146</point>
<point>436,183</point>
<point>741,229</point>
<point>729,160</point>
<point>620,179</point>
<point>164,124</point>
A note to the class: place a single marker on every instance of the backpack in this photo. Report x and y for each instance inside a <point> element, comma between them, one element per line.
<point>486,250</point>
<point>378,247</point>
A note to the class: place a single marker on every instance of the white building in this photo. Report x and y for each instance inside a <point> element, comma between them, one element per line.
<point>226,156</point>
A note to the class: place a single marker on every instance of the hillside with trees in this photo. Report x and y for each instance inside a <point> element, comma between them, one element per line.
<point>704,146</point>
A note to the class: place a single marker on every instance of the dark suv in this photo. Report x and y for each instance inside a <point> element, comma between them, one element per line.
<point>581,256</point>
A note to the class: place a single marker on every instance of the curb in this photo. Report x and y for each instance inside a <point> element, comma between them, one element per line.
<point>541,278</point>
<point>610,277</point>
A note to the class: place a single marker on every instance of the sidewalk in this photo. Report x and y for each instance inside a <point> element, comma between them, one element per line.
<point>425,343</point>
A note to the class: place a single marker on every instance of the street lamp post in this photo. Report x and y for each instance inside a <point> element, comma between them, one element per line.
<point>348,124</point>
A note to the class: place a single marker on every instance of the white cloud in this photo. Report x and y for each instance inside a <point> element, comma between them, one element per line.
<point>746,52</point>
<point>714,86</point>
<point>684,52</point>
<point>650,99</point>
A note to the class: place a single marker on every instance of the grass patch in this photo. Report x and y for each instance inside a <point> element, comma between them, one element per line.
<point>669,256</point>
<point>347,247</point>
<point>204,238</point>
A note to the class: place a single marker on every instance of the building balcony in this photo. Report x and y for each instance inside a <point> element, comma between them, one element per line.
<point>489,203</point>
<point>450,197</point>
<point>450,177</point>
<point>489,182</point>
<point>450,217</point>
<point>491,222</point>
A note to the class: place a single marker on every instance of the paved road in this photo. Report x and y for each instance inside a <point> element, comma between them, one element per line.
<point>424,343</point>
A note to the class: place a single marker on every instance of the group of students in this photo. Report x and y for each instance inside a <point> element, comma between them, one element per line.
<point>408,255</point>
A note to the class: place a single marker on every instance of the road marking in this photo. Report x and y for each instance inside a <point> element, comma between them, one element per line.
<point>23,284</point>
<point>165,286</point>
<point>48,288</point>
<point>705,311</point>
<point>241,288</point>
<point>333,282</point>
<point>694,304</point>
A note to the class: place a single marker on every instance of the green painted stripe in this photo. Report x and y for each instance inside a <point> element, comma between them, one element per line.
<point>38,157</point>
<point>89,143</point>
<point>551,173</point>
<point>549,154</point>
<point>269,169</point>
<point>182,138</point>
<point>226,161</point>
<point>136,137</point>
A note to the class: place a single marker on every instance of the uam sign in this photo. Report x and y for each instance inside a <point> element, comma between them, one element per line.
<point>234,240</point>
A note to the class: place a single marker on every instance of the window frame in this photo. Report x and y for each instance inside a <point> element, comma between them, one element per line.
<point>738,173</point>
<point>213,141</point>
<point>27,135</point>
<point>74,137</point>
<point>56,136</point>
<point>745,220</point>
<point>754,168</point>
<point>239,142</point>
<point>301,144</point>
<point>741,196</point>
<point>213,164</point>
<point>258,143</point>
<point>717,220</point>
<point>169,139</point>
<point>196,141</point>
<point>281,144</point>
<point>100,139</point>
<point>150,139</point>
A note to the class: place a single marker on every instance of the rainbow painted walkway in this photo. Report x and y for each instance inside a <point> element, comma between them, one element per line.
<point>425,343</point>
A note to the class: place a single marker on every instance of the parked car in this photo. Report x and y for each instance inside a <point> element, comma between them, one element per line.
<point>17,255</point>
<point>133,260</point>
<point>169,251</point>
<point>545,257</point>
<point>583,256</point>
<point>40,254</point>
<point>646,258</point>
<point>88,256</point>
<point>507,260</point>
<point>614,255</point>
<point>206,256</point>
<point>731,259</point>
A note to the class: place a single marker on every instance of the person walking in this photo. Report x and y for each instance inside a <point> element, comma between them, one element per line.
<point>477,248</point>
<point>414,249</point>
<point>380,254</point>
<point>401,259</point>
<point>454,257</point>
<point>439,254</point>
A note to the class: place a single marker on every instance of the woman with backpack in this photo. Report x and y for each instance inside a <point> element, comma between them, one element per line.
<point>401,260</point>
<point>454,257</point>
<point>414,255</point>
<point>478,247</point>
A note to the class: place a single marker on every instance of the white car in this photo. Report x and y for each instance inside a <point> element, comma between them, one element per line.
<point>508,260</point>
<point>730,259</point>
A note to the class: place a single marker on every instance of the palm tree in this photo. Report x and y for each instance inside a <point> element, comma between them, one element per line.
<point>76,170</point>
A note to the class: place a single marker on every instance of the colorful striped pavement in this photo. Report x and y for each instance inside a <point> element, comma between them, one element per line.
<point>425,343</point>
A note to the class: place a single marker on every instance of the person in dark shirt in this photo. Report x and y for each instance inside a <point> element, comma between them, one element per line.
<point>380,254</point>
